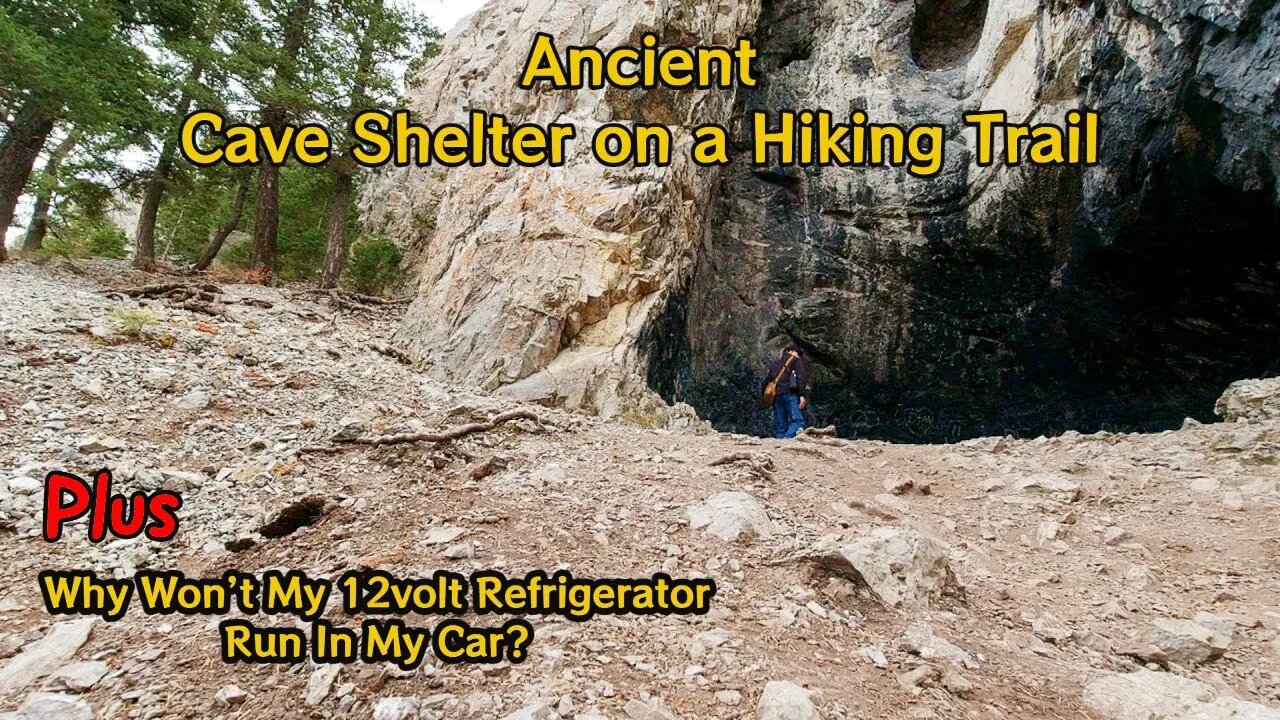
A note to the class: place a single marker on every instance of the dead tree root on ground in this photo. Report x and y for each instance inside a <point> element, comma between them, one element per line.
<point>443,436</point>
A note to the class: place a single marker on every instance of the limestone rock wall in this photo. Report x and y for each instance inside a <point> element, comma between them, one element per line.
<point>539,280</point>
<point>981,301</point>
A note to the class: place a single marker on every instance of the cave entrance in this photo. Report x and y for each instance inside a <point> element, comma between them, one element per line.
<point>945,33</point>
<point>1043,318</point>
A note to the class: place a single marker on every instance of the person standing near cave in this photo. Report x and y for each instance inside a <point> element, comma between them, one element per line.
<point>786,389</point>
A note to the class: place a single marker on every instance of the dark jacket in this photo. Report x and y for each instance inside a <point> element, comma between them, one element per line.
<point>796,379</point>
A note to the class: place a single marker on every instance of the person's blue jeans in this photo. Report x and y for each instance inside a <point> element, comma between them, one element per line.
<point>788,421</point>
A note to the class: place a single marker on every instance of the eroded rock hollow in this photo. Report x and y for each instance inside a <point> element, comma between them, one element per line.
<point>985,300</point>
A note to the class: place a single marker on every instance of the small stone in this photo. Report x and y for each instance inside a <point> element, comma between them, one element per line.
<point>705,641</point>
<point>919,640</point>
<point>192,401</point>
<point>1054,486</point>
<point>93,388</point>
<point>158,378</point>
<point>875,656</point>
<point>732,698</point>
<point>77,677</point>
<point>462,551</point>
<point>956,684</point>
<point>782,700</point>
<point>536,711</point>
<point>396,708</point>
<point>900,567</point>
<point>638,709</point>
<point>1185,642</point>
<point>98,445</point>
<point>1049,629</point>
<point>1115,535</point>
<point>730,516</point>
<point>23,485</point>
<point>53,706</point>
<point>230,696</point>
<point>913,680</point>
<point>349,429</point>
<point>443,534</point>
<point>898,485</point>
<point>321,683</point>
<point>1047,532</point>
<point>1138,576</point>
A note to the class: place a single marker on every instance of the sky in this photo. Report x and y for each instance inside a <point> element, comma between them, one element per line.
<point>444,14</point>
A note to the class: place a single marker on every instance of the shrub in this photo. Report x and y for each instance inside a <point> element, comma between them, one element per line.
<point>106,241</point>
<point>83,239</point>
<point>132,321</point>
<point>375,266</point>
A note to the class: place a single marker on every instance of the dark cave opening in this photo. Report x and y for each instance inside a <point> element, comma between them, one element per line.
<point>944,33</point>
<point>1062,311</point>
<point>1037,325</point>
<point>1134,334</point>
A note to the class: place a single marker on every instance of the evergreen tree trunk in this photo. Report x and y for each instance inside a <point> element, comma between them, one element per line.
<point>33,241</point>
<point>335,246</point>
<point>266,225</point>
<point>224,230</point>
<point>144,245</point>
<point>18,152</point>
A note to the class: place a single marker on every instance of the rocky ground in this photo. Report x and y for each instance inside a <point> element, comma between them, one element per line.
<point>1129,577</point>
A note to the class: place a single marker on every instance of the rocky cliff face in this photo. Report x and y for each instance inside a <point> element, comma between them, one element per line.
<point>984,300</point>
<point>539,281</point>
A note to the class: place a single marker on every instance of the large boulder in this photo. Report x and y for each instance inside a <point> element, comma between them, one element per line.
<point>897,566</point>
<point>782,700</point>
<point>1148,695</point>
<point>731,515</point>
<point>45,655</point>
<point>1250,401</point>
<point>1185,642</point>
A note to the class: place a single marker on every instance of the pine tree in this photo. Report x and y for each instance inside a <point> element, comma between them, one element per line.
<point>383,36</point>
<point>290,26</point>
<point>205,58</point>
<point>228,226</point>
<point>33,241</point>
<point>73,61</point>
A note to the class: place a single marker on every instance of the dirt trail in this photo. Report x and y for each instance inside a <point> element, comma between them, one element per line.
<point>1067,548</point>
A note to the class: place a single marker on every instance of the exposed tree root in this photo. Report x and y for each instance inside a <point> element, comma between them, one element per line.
<point>758,463</point>
<point>354,300</point>
<point>203,308</point>
<point>168,289</point>
<point>391,352</point>
<point>449,435</point>
<point>757,460</point>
